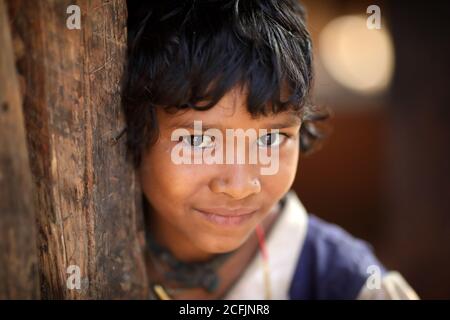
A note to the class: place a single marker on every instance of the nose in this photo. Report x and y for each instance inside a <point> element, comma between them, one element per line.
<point>237,181</point>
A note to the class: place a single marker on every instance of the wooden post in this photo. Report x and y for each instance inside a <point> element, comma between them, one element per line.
<point>88,214</point>
<point>18,254</point>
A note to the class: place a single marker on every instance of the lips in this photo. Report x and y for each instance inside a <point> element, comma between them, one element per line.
<point>228,212</point>
<point>227,216</point>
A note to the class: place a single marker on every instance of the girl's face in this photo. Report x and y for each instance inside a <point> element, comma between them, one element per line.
<point>202,209</point>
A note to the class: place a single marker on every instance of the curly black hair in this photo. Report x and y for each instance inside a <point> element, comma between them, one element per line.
<point>189,54</point>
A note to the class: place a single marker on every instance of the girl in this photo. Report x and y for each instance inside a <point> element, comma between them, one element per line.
<point>225,230</point>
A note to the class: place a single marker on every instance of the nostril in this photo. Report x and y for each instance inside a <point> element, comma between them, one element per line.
<point>5,107</point>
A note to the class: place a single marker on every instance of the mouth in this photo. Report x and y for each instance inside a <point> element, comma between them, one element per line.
<point>227,217</point>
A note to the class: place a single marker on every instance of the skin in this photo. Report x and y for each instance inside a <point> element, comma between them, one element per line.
<point>175,192</point>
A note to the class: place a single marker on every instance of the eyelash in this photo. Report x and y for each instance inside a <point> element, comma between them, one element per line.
<point>188,139</point>
<point>285,135</point>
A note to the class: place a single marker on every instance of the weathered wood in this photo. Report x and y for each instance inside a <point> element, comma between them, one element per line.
<point>87,211</point>
<point>18,252</point>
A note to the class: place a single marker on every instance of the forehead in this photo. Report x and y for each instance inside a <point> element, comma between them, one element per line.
<point>230,112</point>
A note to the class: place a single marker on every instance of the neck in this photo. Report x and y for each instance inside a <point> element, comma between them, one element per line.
<point>176,242</point>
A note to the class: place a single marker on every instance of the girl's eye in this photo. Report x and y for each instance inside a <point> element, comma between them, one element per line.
<point>199,141</point>
<point>271,139</point>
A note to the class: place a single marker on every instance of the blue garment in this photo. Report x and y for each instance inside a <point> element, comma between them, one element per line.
<point>332,263</point>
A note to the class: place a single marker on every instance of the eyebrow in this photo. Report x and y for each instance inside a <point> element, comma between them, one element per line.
<point>189,124</point>
<point>290,121</point>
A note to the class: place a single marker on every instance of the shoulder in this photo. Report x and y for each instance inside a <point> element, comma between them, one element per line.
<point>335,247</point>
<point>332,264</point>
<point>314,259</point>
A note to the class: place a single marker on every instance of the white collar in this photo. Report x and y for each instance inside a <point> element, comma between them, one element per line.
<point>284,244</point>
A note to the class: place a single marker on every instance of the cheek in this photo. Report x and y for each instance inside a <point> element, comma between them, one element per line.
<point>169,187</point>
<point>279,183</point>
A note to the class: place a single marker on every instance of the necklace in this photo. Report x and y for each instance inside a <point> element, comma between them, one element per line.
<point>191,274</point>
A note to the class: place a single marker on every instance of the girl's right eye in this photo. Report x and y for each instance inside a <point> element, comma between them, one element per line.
<point>199,141</point>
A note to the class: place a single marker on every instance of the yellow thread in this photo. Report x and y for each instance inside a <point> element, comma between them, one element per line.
<point>267,286</point>
<point>161,293</point>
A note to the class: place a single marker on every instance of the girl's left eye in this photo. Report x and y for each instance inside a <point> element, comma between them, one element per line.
<point>271,139</point>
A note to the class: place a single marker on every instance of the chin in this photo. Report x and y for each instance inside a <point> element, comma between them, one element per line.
<point>220,245</point>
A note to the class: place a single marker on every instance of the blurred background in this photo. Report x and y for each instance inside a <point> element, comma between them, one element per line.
<point>384,173</point>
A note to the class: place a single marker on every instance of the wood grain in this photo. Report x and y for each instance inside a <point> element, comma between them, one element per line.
<point>87,211</point>
<point>18,252</point>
